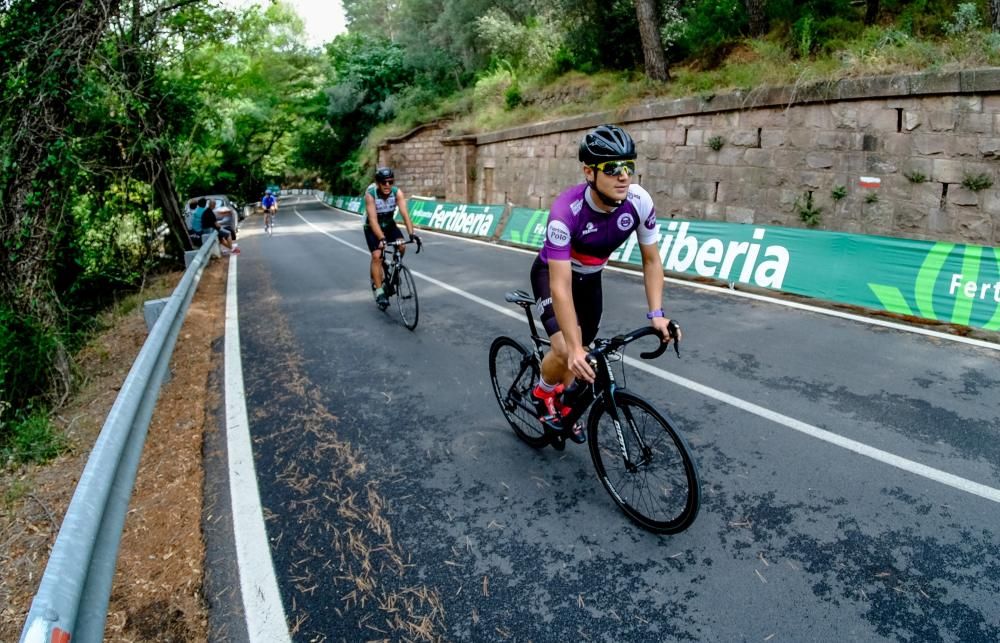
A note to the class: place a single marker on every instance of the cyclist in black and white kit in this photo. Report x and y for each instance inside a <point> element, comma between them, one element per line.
<point>586,223</point>
<point>382,198</point>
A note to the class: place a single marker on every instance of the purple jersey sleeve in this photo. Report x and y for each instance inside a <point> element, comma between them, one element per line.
<point>563,219</point>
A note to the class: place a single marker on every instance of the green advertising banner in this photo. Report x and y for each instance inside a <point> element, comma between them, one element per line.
<point>947,282</point>
<point>478,220</point>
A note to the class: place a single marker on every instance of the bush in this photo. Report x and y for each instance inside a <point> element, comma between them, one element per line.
<point>31,437</point>
<point>26,351</point>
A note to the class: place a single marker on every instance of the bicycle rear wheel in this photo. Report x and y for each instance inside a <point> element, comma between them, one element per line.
<point>657,486</point>
<point>406,297</point>
<point>513,371</point>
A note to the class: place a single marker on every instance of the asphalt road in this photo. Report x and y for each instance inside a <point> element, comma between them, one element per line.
<point>400,504</point>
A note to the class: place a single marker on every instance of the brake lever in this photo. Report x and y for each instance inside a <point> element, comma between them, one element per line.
<point>673,329</point>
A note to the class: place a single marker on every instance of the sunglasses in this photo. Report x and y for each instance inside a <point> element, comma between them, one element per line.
<point>614,168</point>
<point>387,182</point>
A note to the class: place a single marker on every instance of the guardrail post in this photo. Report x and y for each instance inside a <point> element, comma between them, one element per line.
<point>151,310</point>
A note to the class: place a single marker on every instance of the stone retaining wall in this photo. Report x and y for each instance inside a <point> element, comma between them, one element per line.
<point>758,157</point>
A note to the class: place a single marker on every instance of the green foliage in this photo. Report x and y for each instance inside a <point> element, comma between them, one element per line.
<point>716,143</point>
<point>915,176</point>
<point>30,437</point>
<point>977,182</point>
<point>965,19</point>
<point>27,349</point>
<point>838,192</point>
<point>710,27</point>
<point>807,210</point>
<point>871,197</point>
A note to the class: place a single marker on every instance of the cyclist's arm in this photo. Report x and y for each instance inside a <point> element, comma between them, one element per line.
<point>404,210</point>
<point>652,272</point>
<point>373,217</point>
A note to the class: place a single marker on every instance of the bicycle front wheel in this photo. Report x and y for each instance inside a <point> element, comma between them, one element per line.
<point>514,371</point>
<point>654,481</point>
<point>406,297</point>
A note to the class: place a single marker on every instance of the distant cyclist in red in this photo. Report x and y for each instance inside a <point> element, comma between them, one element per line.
<point>586,223</point>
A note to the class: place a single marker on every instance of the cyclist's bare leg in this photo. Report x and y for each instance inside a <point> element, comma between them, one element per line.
<point>555,368</point>
<point>376,268</point>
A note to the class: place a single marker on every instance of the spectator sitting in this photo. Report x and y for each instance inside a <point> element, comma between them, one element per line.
<point>209,224</point>
<point>189,214</point>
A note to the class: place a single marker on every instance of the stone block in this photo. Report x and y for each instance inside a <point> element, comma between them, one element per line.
<point>764,118</point>
<point>948,171</point>
<point>696,137</point>
<point>897,144</point>
<point>819,160</point>
<point>674,136</point>
<point>813,180</point>
<point>991,201</point>
<point>701,191</point>
<point>685,154</point>
<point>966,146</point>
<point>935,83</point>
<point>837,140</point>
<point>911,218</point>
<point>758,157</point>
<point>878,217</point>
<point>731,156</point>
<point>972,225</point>
<point>771,138</point>
<point>845,116</point>
<point>878,119</point>
<point>931,144</point>
<point>912,120</point>
<point>739,214</point>
<point>743,138</point>
<point>879,165</point>
<point>938,121</point>
<point>789,159</point>
<point>976,123</point>
<point>981,80</point>
<point>962,196</point>
<point>714,212</point>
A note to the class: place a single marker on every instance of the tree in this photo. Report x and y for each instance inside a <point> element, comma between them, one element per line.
<point>995,14</point>
<point>45,48</point>
<point>757,13</point>
<point>652,46</point>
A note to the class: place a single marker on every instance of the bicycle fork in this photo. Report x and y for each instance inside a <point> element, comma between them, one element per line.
<point>613,412</point>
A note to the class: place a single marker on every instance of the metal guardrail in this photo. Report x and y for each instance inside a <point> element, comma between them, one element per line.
<point>72,598</point>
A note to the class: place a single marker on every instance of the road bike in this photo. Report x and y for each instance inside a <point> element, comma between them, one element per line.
<point>398,282</point>
<point>269,220</point>
<point>641,459</point>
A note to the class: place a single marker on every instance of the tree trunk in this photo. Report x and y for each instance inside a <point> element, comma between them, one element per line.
<point>165,197</point>
<point>995,14</point>
<point>757,12</point>
<point>652,45</point>
<point>871,11</point>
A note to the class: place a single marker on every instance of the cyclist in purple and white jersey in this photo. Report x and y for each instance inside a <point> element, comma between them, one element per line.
<point>588,222</point>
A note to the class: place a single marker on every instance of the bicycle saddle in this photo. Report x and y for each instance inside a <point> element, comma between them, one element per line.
<point>519,297</point>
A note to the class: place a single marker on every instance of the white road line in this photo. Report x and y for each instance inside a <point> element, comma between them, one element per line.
<point>871,321</point>
<point>956,482</point>
<point>265,616</point>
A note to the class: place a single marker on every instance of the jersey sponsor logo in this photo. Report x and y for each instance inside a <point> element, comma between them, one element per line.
<point>576,206</point>
<point>651,221</point>
<point>625,221</point>
<point>558,234</point>
<point>588,229</point>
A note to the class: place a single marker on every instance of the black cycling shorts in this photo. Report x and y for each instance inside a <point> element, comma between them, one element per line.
<point>390,230</point>
<point>588,300</point>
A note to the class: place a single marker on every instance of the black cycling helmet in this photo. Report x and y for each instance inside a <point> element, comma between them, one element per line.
<point>606,143</point>
<point>383,174</point>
